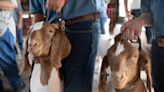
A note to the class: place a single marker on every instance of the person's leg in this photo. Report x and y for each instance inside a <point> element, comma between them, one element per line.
<point>78,67</point>
<point>19,38</point>
<point>8,60</point>
<point>157,55</point>
<point>148,35</point>
<point>104,22</point>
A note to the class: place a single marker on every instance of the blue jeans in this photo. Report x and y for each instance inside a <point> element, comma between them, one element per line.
<point>104,21</point>
<point>157,56</point>
<point>8,60</point>
<point>149,35</point>
<point>19,38</point>
<point>78,67</point>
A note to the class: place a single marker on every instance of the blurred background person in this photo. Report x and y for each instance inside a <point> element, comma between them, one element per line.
<point>104,20</point>
<point>17,14</point>
<point>7,51</point>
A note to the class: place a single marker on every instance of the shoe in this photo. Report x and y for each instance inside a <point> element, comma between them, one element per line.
<point>20,89</point>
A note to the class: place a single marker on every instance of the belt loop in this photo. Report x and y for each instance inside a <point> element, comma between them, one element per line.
<point>94,16</point>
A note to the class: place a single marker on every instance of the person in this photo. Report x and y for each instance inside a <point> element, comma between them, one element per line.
<point>7,52</point>
<point>82,27</point>
<point>17,14</point>
<point>152,15</point>
<point>104,20</point>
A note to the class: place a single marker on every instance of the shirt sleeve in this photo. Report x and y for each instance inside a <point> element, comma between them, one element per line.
<point>35,6</point>
<point>145,6</point>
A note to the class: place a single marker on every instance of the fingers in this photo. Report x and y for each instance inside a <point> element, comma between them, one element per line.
<point>131,30</point>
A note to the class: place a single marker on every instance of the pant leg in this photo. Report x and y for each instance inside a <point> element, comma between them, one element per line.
<point>148,35</point>
<point>19,34</point>
<point>104,22</point>
<point>78,67</point>
<point>8,60</point>
<point>157,56</point>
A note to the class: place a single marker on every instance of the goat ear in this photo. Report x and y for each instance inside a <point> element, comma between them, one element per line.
<point>60,48</point>
<point>26,64</point>
<point>46,69</point>
<point>145,64</point>
<point>103,75</point>
<point>119,37</point>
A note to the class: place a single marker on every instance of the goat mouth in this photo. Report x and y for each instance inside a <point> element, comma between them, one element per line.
<point>36,51</point>
<point>119,86</point>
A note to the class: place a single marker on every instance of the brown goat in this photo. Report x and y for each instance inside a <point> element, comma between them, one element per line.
<point>126,62</point>
<point>48,46</point>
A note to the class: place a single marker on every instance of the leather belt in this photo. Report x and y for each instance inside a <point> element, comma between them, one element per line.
<point>87,17</point>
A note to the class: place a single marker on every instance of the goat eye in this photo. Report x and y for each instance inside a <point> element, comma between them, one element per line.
<point>51,31</point>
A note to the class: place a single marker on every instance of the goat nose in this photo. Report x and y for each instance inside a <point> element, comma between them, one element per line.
<point>117,76</point>
<point>34,44</point>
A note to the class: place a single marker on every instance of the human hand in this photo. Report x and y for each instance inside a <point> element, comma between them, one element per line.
<point>56,5</point>
<point>132,29</point>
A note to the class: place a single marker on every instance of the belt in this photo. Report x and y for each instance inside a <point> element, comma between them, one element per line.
<point>87,17</point>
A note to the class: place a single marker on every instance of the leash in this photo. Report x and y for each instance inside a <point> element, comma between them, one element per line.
<point>137,41</point>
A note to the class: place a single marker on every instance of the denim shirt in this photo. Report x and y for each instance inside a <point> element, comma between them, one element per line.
<point>73,8</point>
<point>155,7</point>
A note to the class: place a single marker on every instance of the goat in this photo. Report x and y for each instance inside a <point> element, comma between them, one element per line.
<point>47,45</point>
<point>126,62</point>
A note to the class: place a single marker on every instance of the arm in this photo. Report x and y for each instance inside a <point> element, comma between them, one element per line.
<point>20,19</point>
<point>20,14</point>
<point>128,13</point>
<point>56,5</point>
<point>6,5</point>
<point>126,5</point>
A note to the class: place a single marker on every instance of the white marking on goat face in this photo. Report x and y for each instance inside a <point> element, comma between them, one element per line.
<point>119,49</point>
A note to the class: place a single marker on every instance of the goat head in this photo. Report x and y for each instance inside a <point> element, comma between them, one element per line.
<point>48,45</point>
<point>126,62</point>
